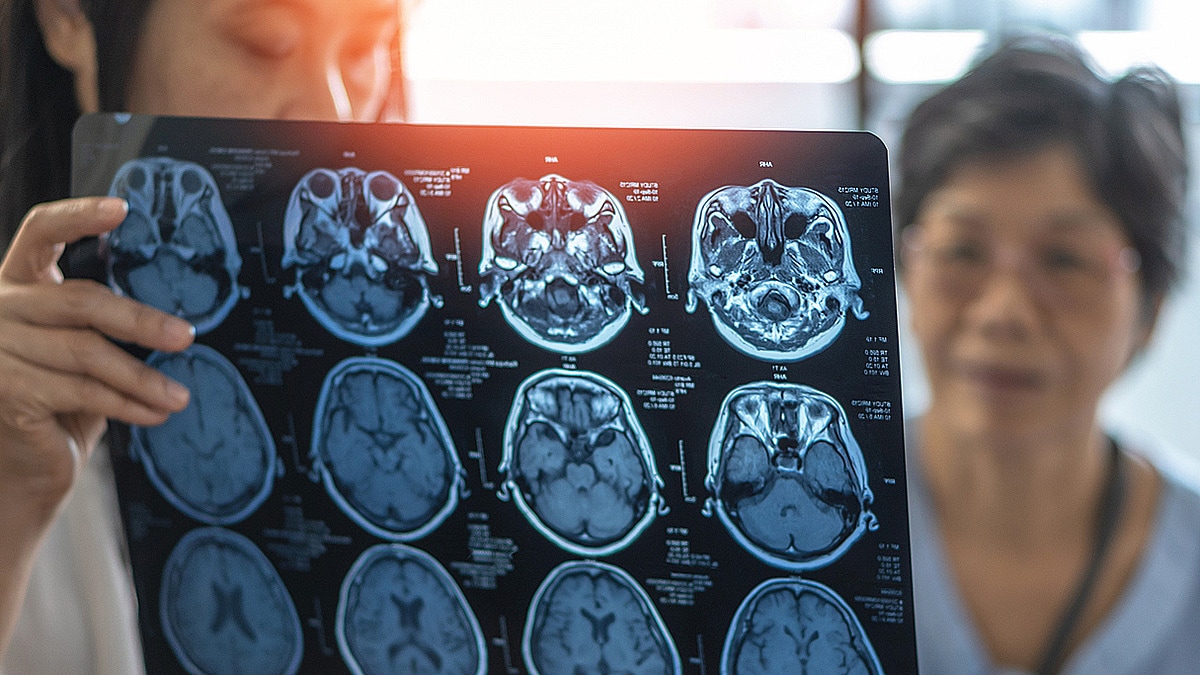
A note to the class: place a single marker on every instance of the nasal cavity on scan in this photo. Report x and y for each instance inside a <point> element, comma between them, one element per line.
<point>774,266</point>
<point>786,476</point>
<point>176,250</point>
<point>558,256</point>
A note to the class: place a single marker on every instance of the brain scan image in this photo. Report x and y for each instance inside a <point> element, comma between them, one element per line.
<point>175,250</point>
<point>401,612</point>
<point>214,460</point>
<point>796,626</point>
<point>591,617</point>
<point>773,265</point>
<point>786,476</point>
<point>578,463</point>
<point>224,609</point>
<point>361,253</point>
<point>558,254</point>
<point>383,451</point>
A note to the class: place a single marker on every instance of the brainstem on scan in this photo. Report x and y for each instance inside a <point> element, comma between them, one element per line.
<point>361,254</point>
<point>578,463</point>
<point>774,265</point>
<point>786,476</point>
<point>558,255</point>
<point>176,249</point>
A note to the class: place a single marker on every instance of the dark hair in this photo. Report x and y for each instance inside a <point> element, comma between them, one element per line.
<point>1037,90</point>
<point>37,100</point>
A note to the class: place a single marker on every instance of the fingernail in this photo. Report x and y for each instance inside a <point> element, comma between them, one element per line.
<point>113,207</point>
<point>179,329</point>
<point>177,393</point>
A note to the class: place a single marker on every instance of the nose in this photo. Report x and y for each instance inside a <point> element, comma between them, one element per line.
<point>1006,304</point>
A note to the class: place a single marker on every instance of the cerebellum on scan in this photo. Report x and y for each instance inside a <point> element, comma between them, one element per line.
<point>786,476</point>
<point>774,266</point>
<point>175,250</point>
<point>558,256</point>
<point>361,254</point>
<point>578,464</point>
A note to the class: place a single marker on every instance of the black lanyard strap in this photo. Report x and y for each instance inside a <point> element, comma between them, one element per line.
<point>1112,503</point>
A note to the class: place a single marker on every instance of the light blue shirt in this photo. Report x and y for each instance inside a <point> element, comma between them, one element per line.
<point>1154,628</point>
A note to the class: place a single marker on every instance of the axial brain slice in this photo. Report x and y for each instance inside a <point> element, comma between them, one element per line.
<point>361,252</point>
<point>591,617</point>
<point>773,264</point>
<point>176,249</point>
<point>797,626</point>
<point>215,459</point>
<point>401,612</point>
<point>787,477</point>
<point>224,609</point>
<point>579,463</point>
<point>383,450</point>
<point>559,255</point>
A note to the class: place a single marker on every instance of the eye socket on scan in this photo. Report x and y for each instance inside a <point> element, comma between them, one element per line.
<point>578,279</point>
<point>176,250</point>
<point>361,253</point>
<point>773,264</point>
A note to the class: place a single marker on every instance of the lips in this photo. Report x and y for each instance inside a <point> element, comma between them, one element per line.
<point>1003,377</point>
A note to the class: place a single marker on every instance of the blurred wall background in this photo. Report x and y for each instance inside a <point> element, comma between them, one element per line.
<point>803,64</point>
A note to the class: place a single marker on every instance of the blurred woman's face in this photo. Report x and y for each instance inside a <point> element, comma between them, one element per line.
<point>297,59</point>
<point>1025,297</point>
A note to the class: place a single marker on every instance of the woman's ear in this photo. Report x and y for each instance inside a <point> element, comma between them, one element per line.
<point>71,42</point>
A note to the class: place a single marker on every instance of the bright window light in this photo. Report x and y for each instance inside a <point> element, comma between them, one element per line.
<point>573,43</point>
<point>919,56</point>
<point>1115,52</point>
<point>932,56</point>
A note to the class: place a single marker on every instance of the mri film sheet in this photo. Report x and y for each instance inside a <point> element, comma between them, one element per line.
<point>510,400</point>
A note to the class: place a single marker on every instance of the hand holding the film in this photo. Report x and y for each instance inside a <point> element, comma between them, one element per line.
<point>60,374</point>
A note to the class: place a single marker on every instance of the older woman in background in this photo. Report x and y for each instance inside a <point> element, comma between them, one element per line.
<point>1041,226</point>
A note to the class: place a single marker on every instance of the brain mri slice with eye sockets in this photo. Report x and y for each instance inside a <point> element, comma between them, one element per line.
<point>401,612</point>
<point>361,252</point>
<point>797,626</point>
<point>214,460</point>
<point>176,249</point>
<point>224,609</point>
<point>787,478</point>
<point>383,451</point>
<point>592,617</point>
<point>559,256</point>
<point>578,463</point>
<point>773,264</point>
